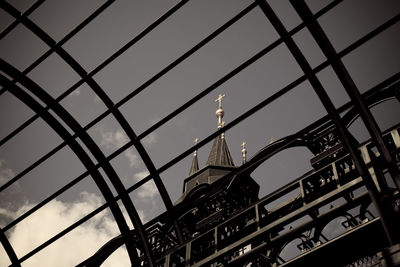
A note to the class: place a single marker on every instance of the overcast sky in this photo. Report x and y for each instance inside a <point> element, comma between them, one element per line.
<point>122,21</point>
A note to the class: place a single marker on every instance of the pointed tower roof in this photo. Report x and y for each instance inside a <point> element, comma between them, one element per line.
<point>220,154</point>
<point>219,163</point>
<point>195,163</point>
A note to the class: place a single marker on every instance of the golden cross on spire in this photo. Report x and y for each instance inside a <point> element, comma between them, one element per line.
<point>219,100</point>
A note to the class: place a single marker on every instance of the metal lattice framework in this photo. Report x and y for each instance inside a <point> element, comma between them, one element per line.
<point>136,240</point>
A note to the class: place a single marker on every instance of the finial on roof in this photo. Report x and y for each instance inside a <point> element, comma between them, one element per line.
<point>195,164</point>
<point>244,152</point>
<point>195,142</point>
<point>220,111</point>
<point>219,154</point>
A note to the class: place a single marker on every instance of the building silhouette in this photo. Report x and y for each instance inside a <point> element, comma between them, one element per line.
<point>223,222</point>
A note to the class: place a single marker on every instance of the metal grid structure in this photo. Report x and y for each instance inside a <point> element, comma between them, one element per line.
<point>49,109</point>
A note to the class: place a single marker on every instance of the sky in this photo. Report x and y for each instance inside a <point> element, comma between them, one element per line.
<point>370,64</point>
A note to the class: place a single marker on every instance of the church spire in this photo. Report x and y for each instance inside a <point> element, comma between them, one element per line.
<point>195,164</point>
<point>220,155</point>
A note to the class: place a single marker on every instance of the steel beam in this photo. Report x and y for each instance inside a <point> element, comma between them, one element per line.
<point>78,150</point>
<point>330,108</point>
<point>125,125</point>
<point>348,84</point>
<point>9,249</point>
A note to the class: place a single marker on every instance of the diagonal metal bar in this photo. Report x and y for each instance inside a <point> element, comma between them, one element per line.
<point>90,143</point>
<point>74,125</point>
<point>15,23</point>
<point>307,129</point>
<point>342,53</point>
<point>109,104</point>
<point>46,55</point>
<point>150,166</point>
<point>66,231</point>
<point>384,26</point>
<point>47,200</point>
<point>162,72</point>
<point>318,123</point>
<point>85,159</point>
<point>369,93</point>
<point>320,67</point>
<point>244,116</point>
<point>103,115</point>
<point>31,167</point>
<point>9,249</point>
<point>186,54</point>
<point>301,79</point>
<point>323,96</point>
<point>348,84</point>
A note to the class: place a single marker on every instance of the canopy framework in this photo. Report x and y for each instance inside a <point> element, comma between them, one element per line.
<point>11,78</point>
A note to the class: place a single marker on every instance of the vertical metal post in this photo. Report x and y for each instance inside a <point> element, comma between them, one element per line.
<point>257,217</point>
<point>188,253</point>
<point>216,239</point>
<point>396,138</point>
<point>303,193</point>
<point>166,264</point>
<point>335,174</point>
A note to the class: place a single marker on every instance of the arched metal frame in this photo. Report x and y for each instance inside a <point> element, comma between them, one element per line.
<point>334,59</point>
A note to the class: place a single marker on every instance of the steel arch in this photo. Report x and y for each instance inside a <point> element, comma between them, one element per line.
<point>29,101</point>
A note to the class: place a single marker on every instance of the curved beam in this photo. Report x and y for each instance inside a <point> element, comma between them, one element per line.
<point>15,23</point>
<point>103,253</point>
<point>344,134</point>
<point>119,117</point>
<point>371,101</point>
<point>298,140</point>
<point>349,85</point>
<point>73,144</point>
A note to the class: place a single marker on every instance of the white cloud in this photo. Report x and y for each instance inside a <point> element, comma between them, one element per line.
<point>76,92</point>
<point>150,139</point>
<point>147,190</point>
<point>10,197</point>
<point>96,99</point>
<point>74,247</point>
<point>114,140</point>
<point>140,175</point>
<point>132,157</point>
<point>5,173</point>
<point>7,213</point>
<point>146,198</point>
